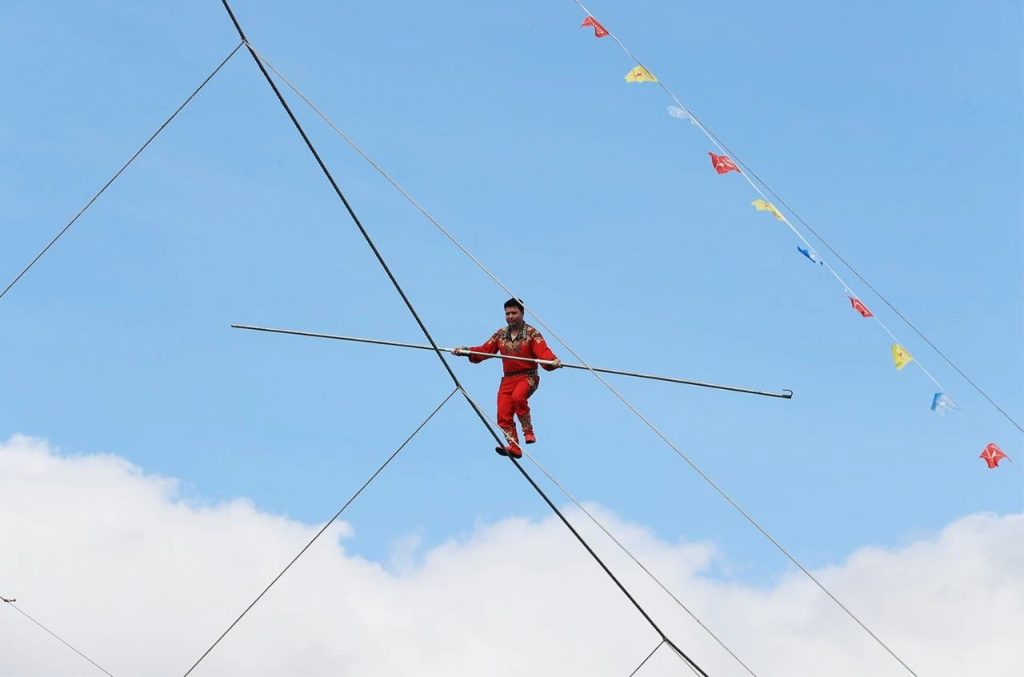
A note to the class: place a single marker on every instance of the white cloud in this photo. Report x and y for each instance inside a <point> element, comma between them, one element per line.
<point>142,581</point>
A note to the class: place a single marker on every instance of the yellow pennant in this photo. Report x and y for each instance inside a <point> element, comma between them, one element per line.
<point>640,74</point>
<point>900,356</point>
<point>763,206</point>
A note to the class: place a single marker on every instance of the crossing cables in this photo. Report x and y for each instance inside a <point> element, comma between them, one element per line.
<point>647,658</point>
<point>628,404</point>
<point>650,574</point>
<point>664,638</point>
<point>426,332</point>
<point>550,477</point>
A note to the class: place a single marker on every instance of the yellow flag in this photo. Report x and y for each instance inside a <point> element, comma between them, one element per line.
<point>763,206</point>
<point>900,356</point>
<point>640,74</point>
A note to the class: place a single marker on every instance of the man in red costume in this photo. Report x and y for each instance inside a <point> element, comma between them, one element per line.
<point>520,379</point>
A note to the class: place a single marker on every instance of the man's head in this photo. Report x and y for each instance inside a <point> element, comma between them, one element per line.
<point>514,312</point>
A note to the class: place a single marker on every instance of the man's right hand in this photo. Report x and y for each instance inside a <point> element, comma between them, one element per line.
<point>459,352</point>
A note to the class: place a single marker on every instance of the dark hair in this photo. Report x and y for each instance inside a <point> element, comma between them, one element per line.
<point>515,303</point>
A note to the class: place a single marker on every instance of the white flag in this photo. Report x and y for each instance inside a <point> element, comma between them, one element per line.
<point>681,113</point>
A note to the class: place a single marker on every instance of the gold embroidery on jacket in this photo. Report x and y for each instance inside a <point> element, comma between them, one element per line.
<point>509,345</point>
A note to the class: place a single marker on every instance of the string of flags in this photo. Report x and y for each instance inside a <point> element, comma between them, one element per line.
<point>723,164</point>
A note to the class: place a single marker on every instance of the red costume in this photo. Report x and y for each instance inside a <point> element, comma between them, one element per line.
<point>520,379</point>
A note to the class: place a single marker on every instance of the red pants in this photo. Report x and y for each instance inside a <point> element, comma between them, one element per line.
<point>512,395</point>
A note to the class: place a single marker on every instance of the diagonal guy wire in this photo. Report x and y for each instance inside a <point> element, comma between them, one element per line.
<point>323,529</point>
<point>640,564</point>
<point>88,204</point>
<point>664,637</point>
<point>10,603</point>
<point>647,658</point>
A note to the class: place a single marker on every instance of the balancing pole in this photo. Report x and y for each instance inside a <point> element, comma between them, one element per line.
<point>786,394</point>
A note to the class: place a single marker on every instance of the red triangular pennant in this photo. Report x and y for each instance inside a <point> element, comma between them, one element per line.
<point>723,164</point>
<point>992,455</point>
<point>860,307</point>
<point>599,30</point>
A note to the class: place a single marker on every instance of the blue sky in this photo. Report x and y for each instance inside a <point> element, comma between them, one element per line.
<point>896,132</point>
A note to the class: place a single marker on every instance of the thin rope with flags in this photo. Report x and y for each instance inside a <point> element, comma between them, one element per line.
<point>729,162</point>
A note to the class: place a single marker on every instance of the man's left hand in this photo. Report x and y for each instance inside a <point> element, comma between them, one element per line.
<point>556,363</point>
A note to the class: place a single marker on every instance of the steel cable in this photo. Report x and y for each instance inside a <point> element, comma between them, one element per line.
<point>322,530</point>
<point>423,327</point>
<point>10,603</point>
<point>707,479</point>
<point>118,173</point>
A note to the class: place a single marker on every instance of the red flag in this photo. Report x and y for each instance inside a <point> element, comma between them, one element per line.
<point>860,307</point>
<point>723,164</point>
<point>992,454</point>
<point>599,30</point>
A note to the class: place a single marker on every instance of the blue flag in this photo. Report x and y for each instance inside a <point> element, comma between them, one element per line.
<point>941,404</point>
<point>810,255</point>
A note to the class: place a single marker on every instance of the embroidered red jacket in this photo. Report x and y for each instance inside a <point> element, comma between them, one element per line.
<point>527,343</point>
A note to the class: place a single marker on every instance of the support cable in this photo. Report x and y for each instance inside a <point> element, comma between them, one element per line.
<point>88,204</point>
<point>351,212</point>
<point>636,561</point>
<point>664,638</point>
<point>550,477</point>
<point>11,603</point>
<point>647,658</point>
<point>476,408</point>
<point>644,568</point>
<point>707,479</point>
<point>323,529</point>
